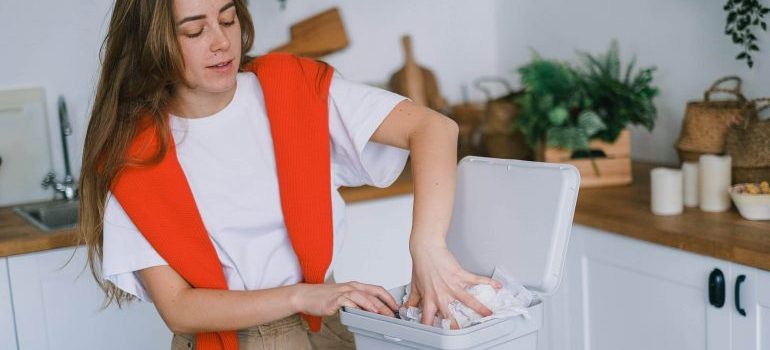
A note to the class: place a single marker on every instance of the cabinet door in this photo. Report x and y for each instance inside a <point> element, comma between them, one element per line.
<point>751,328</point>
<point>745,321</point>
<point>57,307</point>
<point>7,327</point>
<point>763,309</point>
<point>629,294</point>
<point>375,249</point>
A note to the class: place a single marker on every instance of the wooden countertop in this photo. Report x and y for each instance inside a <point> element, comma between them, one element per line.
<point>623,210</point>
<point>626,211</point>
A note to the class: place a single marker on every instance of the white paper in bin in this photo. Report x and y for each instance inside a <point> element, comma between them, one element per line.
<point>509,213</point>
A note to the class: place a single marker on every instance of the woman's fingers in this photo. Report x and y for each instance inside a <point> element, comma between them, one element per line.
<point>382,294</point>
<point>378,292</point>
<point>428,313</point>
<point>476,279</point>
<point>385,296</point>
<point>369,302</point>
<point>414,298</point>
<point>473,303</point>
<point>381,307</point>
<point>444,308</point>
<point>361,301</point>
<point>346,302</point>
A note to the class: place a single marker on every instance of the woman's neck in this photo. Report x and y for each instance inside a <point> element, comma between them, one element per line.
<point>189,103</point>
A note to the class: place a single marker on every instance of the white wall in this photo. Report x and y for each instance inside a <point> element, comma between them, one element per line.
<point>455,39</point>
<point>55,45</point>
<point>683,38</point>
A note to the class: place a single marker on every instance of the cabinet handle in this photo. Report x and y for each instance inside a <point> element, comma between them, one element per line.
<point>738,281</point>
<point>717,288</point>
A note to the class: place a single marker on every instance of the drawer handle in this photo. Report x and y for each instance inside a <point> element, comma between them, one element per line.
<point>738,281</point>
<point>717,288</point>
<point>391,338</point>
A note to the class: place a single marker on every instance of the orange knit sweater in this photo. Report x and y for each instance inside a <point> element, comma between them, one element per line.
<point>159,201</point>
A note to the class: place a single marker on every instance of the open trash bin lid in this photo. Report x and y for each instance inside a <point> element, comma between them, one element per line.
<point>516,215</point>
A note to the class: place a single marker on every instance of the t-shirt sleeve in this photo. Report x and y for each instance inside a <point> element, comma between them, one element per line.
<point>355,112</point>
<point>125,251</point>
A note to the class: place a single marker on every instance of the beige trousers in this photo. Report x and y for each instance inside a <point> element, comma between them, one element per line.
<point>290,333</point>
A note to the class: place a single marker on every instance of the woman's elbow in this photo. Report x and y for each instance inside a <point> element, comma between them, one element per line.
<point>445,125</point>
<point>442,123</point>
<point>175,323</point>
<point>452,127</point>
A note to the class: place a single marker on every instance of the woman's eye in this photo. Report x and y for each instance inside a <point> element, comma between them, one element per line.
<point>194,35</point>
<point>227,24</point>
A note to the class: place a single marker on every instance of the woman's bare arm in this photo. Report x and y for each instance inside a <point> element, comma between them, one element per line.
<point>187,310</point>
<point>437,277</point>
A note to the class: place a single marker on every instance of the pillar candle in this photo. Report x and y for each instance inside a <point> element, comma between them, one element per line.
<point>667,193</point>
<point>690,178</point>
<point>713,180</point>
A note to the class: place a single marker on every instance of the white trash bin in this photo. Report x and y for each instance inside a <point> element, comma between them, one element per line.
<point>512,214</point>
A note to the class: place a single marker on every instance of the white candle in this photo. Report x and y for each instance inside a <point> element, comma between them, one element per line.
<point>666,196</point>
<point>690,177</point>
<point>714,179</point>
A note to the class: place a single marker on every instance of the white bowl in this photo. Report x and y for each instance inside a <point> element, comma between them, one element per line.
<point>751,206</point>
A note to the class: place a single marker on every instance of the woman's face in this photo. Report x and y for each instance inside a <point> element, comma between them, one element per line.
<point>209,36</point>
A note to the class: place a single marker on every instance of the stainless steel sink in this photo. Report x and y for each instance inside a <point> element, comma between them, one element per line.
<point>51,216</point>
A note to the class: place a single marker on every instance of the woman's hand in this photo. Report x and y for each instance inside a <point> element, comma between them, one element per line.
<point>327,299</point>
<point>438,279</point>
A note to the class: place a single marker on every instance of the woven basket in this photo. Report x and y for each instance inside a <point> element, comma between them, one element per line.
<point>468,116</point>
<point>495,133</point>
<point>748,144</point>
<point>706,122</point>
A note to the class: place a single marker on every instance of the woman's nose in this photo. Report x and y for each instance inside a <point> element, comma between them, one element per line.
<point>219,41</point>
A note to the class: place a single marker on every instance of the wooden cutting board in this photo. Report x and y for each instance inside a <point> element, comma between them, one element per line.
<point>416,82</point>
<point>316,36</point>
<point>24,147</point>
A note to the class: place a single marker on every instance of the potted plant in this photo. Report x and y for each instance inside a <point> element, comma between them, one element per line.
<point>579,114</point>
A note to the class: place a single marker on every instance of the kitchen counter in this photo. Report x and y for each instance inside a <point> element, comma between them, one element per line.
<point>626,211</point>
<point>622,210</point>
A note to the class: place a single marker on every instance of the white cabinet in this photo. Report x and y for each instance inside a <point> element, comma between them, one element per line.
<point>762,310</point>
<point>7,326</point>
<point>751,325</point>
<point>56,306</point>
<point>623,293</point>
<point>375,249</point>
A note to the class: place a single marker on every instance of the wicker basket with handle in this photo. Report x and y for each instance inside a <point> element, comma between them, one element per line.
<point>748,144</point>
<point>706,122</point>
<point>495,135</point>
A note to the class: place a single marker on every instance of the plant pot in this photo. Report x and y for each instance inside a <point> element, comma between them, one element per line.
<point>610,166</point>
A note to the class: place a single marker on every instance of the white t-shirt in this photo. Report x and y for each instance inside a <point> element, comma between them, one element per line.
<point>229,163</point>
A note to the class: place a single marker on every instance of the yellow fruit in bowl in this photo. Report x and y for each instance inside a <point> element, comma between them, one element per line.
<point>752,200</point>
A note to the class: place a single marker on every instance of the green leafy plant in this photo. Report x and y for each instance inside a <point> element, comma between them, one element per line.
<point>743,16</point>
<point>619,96</point>
<point>554,107</point>
<point>567,107</point>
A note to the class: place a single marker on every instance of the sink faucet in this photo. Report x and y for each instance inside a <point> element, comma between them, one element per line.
<point>67,186</point>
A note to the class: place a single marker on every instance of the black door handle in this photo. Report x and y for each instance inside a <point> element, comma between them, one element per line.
<point>717,288</point>
<point>738,281</point>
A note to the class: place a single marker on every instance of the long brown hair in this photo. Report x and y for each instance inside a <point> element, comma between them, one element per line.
<point>141,65</point>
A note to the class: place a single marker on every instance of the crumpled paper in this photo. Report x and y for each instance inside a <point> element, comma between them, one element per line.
<point>512,299</point>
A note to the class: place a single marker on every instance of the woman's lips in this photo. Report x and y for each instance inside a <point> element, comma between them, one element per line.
<point>222,67</point>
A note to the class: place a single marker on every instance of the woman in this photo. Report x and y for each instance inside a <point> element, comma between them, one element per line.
<point>191,170</point>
